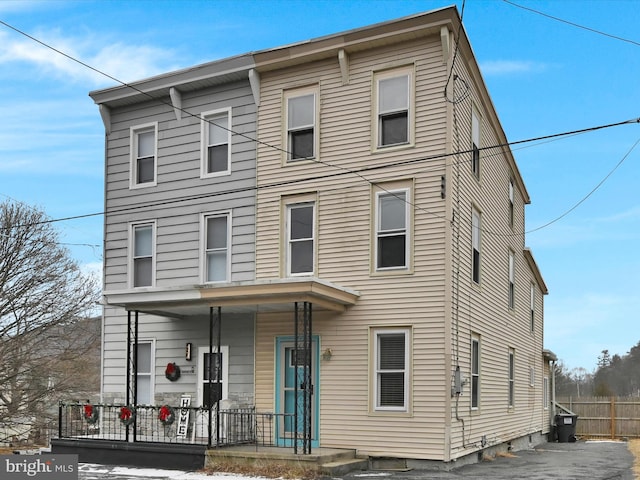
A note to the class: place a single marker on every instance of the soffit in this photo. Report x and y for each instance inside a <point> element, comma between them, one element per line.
<point>244,297</point>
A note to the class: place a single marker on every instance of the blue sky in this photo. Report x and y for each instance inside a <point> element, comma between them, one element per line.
<point>545,76</point>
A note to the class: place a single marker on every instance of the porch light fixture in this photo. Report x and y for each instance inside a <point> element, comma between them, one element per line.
<point>187,351</point>
<point>326,355</point>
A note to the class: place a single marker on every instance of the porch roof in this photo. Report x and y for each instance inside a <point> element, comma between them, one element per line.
<point>276,295</point>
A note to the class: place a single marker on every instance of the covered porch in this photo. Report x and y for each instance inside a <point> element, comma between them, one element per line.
<point>209,422</point>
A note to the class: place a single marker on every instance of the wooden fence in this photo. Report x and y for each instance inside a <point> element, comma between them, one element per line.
<point>605,417</point>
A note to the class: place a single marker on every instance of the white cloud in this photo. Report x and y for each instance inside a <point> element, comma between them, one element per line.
<point>120,61</point>
<point>510,67</point>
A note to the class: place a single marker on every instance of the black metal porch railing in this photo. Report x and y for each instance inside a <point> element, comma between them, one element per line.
<point>188,425</point>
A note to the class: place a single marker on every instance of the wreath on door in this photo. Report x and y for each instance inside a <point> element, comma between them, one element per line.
<point>172,372</point>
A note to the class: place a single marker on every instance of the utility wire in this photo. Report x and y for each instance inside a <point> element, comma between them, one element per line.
<point>589,29</point>
<point>343,169</point>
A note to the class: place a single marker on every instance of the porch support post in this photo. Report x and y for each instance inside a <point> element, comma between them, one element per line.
<point>209,373</point>
<point>303,388</point>
<point>135,374</point>
<point>214,372</point>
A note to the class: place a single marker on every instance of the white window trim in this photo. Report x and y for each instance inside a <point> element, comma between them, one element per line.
<point>131,273</point>
<point>532,377</point>
<point>511,374</point>
<point>203,244</point>
<point>475,339</point>
<point>407,212</point>
<point>204,141</point>
<point>151,374</point>
<point>294,93</point>
<point>532,306</point>
<point>476,127</point>
<point>512,281</point>
<point>407,368</point>
<point>133,155</point>
<point>288,207</point>
<point>408,70</point>
<point>512,219</point>
<point>476,241</point>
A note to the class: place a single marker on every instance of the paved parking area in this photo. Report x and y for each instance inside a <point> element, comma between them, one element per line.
<point>561,461</point>
<point>549,461</point>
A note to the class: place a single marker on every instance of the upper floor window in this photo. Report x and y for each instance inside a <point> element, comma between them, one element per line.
<point>300,238</point>
<point>475,144</point>
<point>532,306</point>
<point>475,241</point>
<point>511,208</point>
<point>216,143</point>
<point>216,247</point>
<point>301,120</point>
<point>512,280</point>
<point>142,258</point>
<point>392,229</point>
<point>391,369</point>
<point>512,377</point>
<point>475,372</point>
<point>393,107</point>
<point>143,155</point>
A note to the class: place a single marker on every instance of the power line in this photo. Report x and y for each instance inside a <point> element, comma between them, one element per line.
<point>589,29</point>
<point>359,173</point>
<point>344,170</point>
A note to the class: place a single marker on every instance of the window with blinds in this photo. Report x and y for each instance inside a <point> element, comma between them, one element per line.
<point>391,369</point>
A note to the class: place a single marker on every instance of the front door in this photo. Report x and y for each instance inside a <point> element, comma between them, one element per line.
<point>216,367</point>
<point>287,376</point>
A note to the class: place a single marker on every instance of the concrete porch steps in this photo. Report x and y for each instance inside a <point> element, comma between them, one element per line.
<point>329,461</point>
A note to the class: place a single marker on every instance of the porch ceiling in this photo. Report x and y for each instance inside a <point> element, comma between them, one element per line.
<point>240,297</point>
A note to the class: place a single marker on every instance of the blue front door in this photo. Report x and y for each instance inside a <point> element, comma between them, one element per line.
<point>287,376</point>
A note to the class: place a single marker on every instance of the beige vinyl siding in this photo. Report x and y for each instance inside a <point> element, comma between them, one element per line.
<point>483,308</point>
<point>345,205</point>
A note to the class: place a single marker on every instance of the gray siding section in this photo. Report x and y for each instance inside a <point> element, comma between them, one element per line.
<point>170,337</point>
<point>176,205</point>
<point>181,196</point>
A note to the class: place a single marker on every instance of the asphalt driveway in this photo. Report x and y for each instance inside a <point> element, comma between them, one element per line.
<point>549,461</point>
<point>561,461</point>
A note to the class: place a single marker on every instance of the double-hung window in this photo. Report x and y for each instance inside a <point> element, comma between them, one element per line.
<point>142,259</point>
<point>532,306</point>
<point>391,369</point>
<point>475,245</point>
<point>512,377</point>
<point>143,155</point>
<point>545,393</point>
<point>216,143</point>
<point>301,238</point>
<point>301,119</point>
<point>217,229</point>
<point>144,372</point>
<point>475,144</point>
<point>475,372</point>
<point>393,106</point>
<point>512,281</point>
<point>392,229</point>
<point>511,207</point>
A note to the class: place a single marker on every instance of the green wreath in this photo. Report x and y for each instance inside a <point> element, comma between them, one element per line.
<point>90,414</point>
<point>127,415</point>
<point>166,415</point>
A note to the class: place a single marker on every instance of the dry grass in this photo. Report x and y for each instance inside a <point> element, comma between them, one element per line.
<point>264,469</point>
<point>634,448</point>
